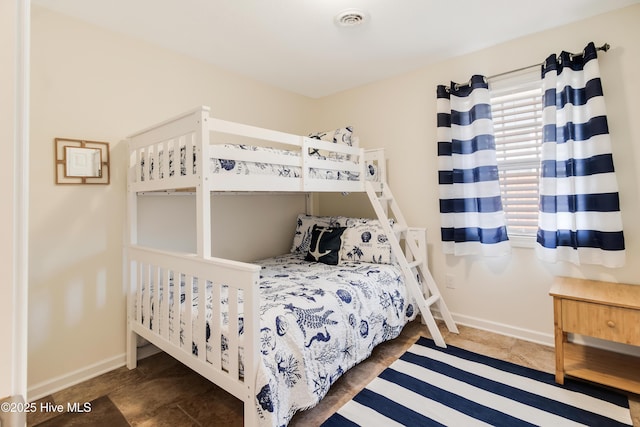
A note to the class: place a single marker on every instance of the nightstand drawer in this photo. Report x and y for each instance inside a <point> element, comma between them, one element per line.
<point>601,321</point>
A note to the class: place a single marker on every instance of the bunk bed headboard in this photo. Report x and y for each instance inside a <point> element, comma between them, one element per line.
<point>183,135</point>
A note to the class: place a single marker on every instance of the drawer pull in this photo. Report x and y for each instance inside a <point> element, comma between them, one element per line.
<point>611,324</point>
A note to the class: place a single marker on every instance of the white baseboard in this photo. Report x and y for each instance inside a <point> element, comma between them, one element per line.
<point>503,329</point>
<point>539,337</point>
<point>46,388</point>
<point>53,385</point>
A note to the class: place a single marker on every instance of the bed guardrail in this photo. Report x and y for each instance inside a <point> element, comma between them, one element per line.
<point>161,285</point>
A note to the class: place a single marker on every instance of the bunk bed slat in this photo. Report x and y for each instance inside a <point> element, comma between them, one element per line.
<point>201,329</point>
<point>216,327</point>
<point>232,333</point>
<point>146,310</point>
<point>175,338</point>
<point>166,147</point>
<point>185,316</point>
<point>155,300</point>
<point>192,153</point>
<point>166,293</point>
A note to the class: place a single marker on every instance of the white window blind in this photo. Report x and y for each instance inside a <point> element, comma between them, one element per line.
<point>516,105</point>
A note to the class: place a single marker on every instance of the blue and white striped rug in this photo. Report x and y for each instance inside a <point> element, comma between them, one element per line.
<point>429,386</point>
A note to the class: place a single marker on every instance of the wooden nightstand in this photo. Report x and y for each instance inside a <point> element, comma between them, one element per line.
<point>605,310</point>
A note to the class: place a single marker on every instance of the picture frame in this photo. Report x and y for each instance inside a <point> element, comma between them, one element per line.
<point>80,161</point>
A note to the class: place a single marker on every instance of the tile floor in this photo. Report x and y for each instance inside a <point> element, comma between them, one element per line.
<point>162,392</point>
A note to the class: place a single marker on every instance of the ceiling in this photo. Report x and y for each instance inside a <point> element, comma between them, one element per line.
<point>296,44</point>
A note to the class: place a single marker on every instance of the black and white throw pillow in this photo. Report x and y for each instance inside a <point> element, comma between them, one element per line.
<point>325,245</point>
<point>304,229</point>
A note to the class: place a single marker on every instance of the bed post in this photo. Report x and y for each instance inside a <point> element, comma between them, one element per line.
<point>309,204</point>
<point>132,239</point>
<point>251,350</point>
<point>131,337</point>
<point>132,347</point>
<point>203,194</point>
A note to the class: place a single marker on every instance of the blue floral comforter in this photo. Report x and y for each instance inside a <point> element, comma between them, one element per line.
<point>317,321</point>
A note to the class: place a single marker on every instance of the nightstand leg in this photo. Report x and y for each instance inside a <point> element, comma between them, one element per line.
<point>560,339</point>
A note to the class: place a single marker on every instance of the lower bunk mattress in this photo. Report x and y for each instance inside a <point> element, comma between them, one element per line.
<point>316,322</point>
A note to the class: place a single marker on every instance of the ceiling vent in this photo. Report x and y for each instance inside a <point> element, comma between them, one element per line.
<point>351,18</point>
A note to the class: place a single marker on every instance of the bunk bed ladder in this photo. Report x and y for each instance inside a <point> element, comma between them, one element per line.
<point>412,261</point>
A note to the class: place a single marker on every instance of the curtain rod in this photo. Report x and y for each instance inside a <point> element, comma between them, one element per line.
<point>605,47</point>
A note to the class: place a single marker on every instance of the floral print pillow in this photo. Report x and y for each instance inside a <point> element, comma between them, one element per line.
<point>365,241</point>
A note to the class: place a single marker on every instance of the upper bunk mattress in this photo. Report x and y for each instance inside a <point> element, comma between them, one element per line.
<point>241,167</point>
<point>225,166</point>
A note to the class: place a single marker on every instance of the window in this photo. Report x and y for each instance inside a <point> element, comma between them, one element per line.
<point>516,106</point>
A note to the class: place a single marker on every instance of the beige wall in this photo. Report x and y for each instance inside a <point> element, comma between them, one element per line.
<point>507,294</point>
<point>91,84</point>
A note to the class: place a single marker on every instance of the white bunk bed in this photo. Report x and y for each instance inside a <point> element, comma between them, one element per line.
<point>183,154</point>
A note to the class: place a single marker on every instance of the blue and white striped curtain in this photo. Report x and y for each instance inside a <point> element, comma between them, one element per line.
<point>473,221</point>
<point>579,218</point>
